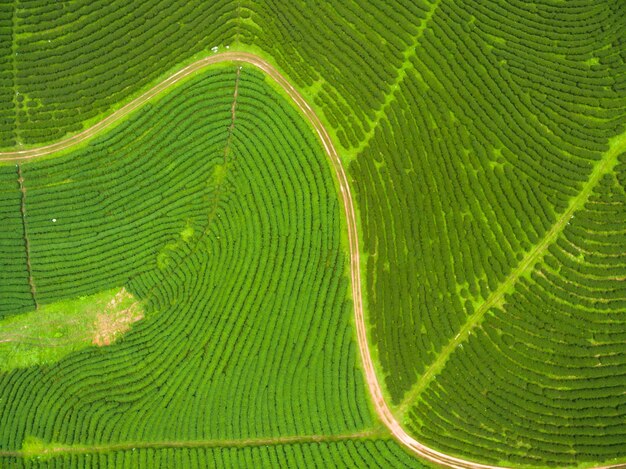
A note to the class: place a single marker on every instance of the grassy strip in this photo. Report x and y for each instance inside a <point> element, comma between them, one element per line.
<point>57,329</point>
<point>37,448</point>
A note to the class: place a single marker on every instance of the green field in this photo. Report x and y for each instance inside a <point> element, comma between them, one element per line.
<point>485,147</point>
<point>55,330</point>
<point>234,248</point>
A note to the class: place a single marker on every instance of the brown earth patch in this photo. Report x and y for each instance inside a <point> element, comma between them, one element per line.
<point>112,323</point>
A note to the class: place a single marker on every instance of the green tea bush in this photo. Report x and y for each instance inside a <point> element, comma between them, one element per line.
<point>15,293</point>
<point>247,330</point>
<point>74,62</point>
<point>348,454</point>
<point>470,128</point>
<point>550,364</point>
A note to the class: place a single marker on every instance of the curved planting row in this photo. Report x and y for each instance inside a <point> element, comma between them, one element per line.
<point>472,165</point>
<point>476,124</point>
<point>100,205</point>
<point>7,75</point>
<point>227,226</point>
<point>544,379</point>
<point>74,61</point>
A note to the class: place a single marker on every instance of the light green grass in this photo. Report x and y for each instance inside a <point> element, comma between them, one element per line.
<point>55,330</point>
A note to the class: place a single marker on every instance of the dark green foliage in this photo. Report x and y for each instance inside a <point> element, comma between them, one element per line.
<point>15,294</point>
<point>473,125</point>
<point>550,365</point>
<point>7,76</point>
<point>75,60</point>
<point>469,167</point>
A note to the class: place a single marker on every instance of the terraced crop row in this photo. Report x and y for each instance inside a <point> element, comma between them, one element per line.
<point>15,292</point>
<point>549,365</point>
<point>66,63</point>
<point>86,73</point>
<point>227,225</point>
<point>7,105</point>
<point>91,197</point>
<point>350,55</point>
<point>475,161</point>
<point>466,173</point>
<point>474,126</point>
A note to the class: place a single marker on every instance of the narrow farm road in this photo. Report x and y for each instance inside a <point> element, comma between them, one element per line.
<point>382,409</point>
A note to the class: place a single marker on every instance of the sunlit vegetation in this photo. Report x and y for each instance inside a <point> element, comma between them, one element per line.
<point>231,240</point>
<point>475,126</point>
<point>485,144</point>
<point>57,329</point>
<point>223,454</point>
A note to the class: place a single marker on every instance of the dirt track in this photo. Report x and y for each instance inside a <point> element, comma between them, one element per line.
<point>375,389</point>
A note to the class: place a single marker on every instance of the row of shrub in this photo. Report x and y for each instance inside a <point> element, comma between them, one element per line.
<point>354,50</point>
<point>75,62</point>
<point>248,322</point>
<point>479,121</point>
<point>546,371</point>
<point>15,293</point>
<point>341,454</point>
<point>7,76</point>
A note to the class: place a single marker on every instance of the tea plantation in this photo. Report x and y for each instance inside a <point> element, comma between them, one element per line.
<point>484,142</point>
<point>216,208</point>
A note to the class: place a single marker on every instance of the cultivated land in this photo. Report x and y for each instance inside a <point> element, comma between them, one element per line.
<point>55,330</point>
<point>484,143</point>
<point>290,296</point>
<point>33,447</point>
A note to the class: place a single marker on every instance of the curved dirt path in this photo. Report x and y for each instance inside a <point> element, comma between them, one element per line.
<point>382,409</point>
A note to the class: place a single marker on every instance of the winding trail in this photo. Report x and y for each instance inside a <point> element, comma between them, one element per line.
<point>382,409</point>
